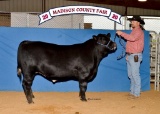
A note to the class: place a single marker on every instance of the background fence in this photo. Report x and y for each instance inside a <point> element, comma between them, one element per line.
<point>76,21</point>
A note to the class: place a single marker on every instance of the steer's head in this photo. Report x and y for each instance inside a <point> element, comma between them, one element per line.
<point>105,41</point>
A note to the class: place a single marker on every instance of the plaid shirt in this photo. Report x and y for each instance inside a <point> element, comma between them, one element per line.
<point>135,40</point>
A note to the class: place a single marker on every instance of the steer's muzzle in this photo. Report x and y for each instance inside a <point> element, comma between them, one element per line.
<point>112,46</point>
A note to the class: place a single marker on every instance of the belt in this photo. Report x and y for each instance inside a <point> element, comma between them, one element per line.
<point>128,53</point>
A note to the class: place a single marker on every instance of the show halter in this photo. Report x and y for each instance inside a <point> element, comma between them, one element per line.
<point>105,45</point>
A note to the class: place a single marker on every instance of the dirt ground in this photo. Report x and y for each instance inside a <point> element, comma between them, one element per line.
<point>69,103</point>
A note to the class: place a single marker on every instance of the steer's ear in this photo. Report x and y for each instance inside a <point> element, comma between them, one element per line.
<point>94,37</point>
<point>109,35</point>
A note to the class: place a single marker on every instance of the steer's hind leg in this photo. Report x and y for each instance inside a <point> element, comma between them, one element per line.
<point>27,83</point>
<point>83,88</point>
<point>32,93</point>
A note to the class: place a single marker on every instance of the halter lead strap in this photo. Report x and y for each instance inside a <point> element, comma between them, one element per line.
<point>123,50</point>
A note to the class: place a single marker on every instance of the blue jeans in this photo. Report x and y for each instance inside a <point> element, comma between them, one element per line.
<point>134,74</point>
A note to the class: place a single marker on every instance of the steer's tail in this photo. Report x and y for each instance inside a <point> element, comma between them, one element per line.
<point>19,73</point>
<point>19,68</point>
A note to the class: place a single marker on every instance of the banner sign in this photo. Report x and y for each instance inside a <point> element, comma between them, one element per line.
<point>79,10</point>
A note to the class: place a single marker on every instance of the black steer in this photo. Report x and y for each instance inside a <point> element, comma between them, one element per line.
<point>62,62</point>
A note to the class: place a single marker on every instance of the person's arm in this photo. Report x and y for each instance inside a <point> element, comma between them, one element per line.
<point>135,35</point>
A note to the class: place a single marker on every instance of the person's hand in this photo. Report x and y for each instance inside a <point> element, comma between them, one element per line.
<point>119,32</point>
<point>126,58</point>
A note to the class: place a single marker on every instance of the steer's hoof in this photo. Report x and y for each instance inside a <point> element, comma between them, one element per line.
<point>84,100</point>
<point>30,102</point>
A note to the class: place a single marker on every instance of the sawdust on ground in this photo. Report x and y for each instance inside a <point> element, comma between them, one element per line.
<point>69,103</point>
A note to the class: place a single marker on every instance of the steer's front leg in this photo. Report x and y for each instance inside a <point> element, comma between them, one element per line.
<point>83,88</point>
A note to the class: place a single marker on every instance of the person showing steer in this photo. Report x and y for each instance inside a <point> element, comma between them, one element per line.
<point>134,50</point>
<point>62,62</point>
